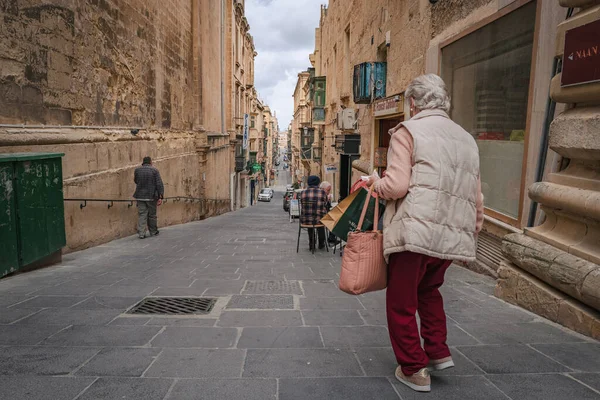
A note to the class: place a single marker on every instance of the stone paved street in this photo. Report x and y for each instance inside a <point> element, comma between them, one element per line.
<point>280,328</point>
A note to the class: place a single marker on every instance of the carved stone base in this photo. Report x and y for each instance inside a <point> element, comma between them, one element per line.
<point>523,289</point>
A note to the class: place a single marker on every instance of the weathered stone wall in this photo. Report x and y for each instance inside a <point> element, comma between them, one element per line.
<point>412,25</point>
<point>115,65</point>
<point>96,62</point>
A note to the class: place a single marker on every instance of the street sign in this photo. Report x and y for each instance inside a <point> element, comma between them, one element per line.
<point>581,58</point>
<point>331,168</point>
<point>245,142</point>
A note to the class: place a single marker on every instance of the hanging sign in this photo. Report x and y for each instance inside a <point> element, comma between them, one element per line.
<point>388,106</point>
<point>331,168</point>
<point>245,142</point>
<point>581,59</point>
<point>380,158</point>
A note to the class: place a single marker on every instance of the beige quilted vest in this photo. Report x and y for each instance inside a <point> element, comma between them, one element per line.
<point>438,215</point>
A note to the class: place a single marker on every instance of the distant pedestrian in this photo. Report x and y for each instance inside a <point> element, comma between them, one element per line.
<point>314,206</point>
<point>149,193</point>
<point>434,211</point>
<point>326,186</point>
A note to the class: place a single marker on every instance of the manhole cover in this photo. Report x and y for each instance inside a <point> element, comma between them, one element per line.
<point>272,287</point>
<point>174,305</point>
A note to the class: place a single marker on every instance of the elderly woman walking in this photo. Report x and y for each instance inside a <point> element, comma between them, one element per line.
<point>434,211</point>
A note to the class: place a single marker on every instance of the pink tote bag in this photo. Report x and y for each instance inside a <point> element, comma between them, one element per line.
<point>363,264</point>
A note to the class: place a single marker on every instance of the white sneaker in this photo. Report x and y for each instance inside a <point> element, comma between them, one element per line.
<point>441,364</point>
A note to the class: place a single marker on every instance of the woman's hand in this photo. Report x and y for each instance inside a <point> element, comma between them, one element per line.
<point>372,179</point>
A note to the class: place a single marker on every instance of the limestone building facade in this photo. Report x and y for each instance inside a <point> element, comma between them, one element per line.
<point>108,82</point>
<point>498,58</point>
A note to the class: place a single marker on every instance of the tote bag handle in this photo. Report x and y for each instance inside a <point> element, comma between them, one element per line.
<point>364,212</point>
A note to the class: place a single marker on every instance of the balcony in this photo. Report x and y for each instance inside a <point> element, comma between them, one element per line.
<point>369,82</point>
<point>318,116</point>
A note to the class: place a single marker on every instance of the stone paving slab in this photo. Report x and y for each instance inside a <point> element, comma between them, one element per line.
<point>281,328</point>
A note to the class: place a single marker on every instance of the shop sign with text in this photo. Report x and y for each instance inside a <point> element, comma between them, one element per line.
<point>581,60</point>
<point>389,106</point>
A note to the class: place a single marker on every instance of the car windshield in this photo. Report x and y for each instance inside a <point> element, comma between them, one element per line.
<point>264,191</point>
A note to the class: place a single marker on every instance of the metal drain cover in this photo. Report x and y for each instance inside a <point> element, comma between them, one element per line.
<point>174,305</point>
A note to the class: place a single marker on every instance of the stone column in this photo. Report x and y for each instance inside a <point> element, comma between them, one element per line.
<point>554,268</point>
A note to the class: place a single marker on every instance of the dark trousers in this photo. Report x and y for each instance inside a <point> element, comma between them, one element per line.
<point>147,217</point>
<point>320,234</point>
<point>413,285</point>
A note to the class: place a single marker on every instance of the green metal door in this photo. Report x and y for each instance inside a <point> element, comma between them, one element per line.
<point>40,208</point>
<point>9,252</point>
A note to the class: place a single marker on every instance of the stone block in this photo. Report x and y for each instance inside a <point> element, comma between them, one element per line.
<point>578,3</point>
<point>576,133</point>
<point>43,360</point>
<point>260,318</point>
<point>32,95</point>
<point>555,267</point>
<point>123,336</point>
<point>588,93</point>
<point>520,333</point>
<point>59,80</point>
<point>26,335</point>
<point>332,318</point>
<point>43,387</point>
<point>330,303</point>
<point>197,363</point>
<point>275,338</point>
<point>127,388</point>
<point>191,337</point>
<point>472,387</point>
<point>590,288</point>
<point>119,362</point>
<point>542,387</point>
<point>336,388</point>
<point>294,363</point>
<point>510,359</point>
<point>539,297</point>
<point>578,356</point>
<point>247,389</point>
<point>580,318</point>
<point>355,336</point>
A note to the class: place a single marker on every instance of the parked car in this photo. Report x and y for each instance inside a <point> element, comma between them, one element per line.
<point>271,192</point>
<point>265,195</point>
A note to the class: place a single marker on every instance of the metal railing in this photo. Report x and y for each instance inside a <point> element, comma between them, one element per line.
<point>174,199</point>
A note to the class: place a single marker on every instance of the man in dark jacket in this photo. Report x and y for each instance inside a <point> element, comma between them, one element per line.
<point>314,206</point>
<point>149,193</point>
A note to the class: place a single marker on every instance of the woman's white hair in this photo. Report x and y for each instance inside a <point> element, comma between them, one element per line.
<point>429,93</point>
<point>324,185</point>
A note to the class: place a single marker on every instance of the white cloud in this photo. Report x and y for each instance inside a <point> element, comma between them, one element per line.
<point>284,36</point>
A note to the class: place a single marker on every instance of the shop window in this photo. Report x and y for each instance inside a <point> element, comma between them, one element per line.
<point>252,121</point>
<point>487,73</point>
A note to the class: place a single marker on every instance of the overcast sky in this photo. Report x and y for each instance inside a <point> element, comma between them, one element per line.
<point>284,36</point>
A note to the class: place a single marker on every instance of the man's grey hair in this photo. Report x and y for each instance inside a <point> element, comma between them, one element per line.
<point>429,93</point>
<point>325,185</point>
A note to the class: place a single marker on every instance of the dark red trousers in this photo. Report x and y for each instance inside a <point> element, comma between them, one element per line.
<point>413,285</point>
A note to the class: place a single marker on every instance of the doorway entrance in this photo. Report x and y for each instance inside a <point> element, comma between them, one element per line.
<point>384,138</point>
<point>346,174</point>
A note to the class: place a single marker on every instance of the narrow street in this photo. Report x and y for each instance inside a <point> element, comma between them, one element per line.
<point>280,328</point>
